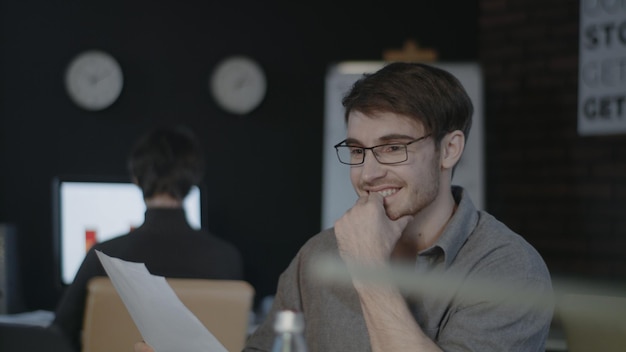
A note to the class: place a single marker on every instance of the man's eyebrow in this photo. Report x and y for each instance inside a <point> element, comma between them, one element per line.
<point>382,139</point>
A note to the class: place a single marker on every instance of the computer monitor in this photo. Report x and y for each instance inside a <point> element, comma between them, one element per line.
<point>91,210</point>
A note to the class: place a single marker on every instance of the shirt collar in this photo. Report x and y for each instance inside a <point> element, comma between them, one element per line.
<point>456,232</point>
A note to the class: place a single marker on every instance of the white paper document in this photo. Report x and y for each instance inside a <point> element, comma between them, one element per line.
<point>164,322</point>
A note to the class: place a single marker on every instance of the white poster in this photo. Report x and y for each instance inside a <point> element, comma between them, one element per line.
<point>602,67</point>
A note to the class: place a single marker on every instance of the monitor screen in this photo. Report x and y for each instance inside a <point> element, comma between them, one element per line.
<point>92,211</point>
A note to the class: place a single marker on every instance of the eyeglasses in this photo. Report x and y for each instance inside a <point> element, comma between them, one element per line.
<point>387,154</point>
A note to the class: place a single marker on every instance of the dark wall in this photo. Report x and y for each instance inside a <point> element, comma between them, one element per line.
<point>563,192</point>
<point>264,177</point>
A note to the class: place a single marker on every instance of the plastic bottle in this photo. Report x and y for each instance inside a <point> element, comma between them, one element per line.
<point>289,330</point>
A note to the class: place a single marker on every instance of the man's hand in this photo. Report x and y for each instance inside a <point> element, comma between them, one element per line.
<point>143,347</point>
<point>365,234</point>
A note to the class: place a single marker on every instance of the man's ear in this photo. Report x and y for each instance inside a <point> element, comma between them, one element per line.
<point>452,146</point>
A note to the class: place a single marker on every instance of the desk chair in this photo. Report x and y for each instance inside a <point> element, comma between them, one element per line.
<point>223,306</point>
<point>593,322</point>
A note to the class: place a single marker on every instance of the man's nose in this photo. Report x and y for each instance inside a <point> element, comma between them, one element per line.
<point>371,168</point>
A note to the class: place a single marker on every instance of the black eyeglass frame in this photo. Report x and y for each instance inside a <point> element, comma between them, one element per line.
<point>405,145</point>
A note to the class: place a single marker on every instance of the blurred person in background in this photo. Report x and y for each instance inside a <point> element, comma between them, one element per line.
<point>165,164</point>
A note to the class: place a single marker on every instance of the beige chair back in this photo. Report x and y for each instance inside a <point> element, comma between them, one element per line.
<point>593,323</point>
<point>223,306</point>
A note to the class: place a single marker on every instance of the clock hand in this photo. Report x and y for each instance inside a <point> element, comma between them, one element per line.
<point>95,78</point>
<point>241,82</point>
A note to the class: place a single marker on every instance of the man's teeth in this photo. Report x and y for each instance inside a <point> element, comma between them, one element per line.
<point>387,192</point>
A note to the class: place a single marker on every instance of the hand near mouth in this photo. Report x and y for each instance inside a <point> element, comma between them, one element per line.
<point>365,234</point>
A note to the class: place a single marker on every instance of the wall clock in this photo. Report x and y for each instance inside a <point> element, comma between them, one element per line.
<point>238,84</point>
<point>94,80</point>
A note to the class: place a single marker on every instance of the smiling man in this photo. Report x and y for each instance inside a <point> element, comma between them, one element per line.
<point>407,128</point>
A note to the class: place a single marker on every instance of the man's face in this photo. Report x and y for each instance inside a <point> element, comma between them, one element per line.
<point>408,187</point>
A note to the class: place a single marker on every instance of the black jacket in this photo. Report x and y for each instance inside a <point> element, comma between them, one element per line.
<point>167,245</point>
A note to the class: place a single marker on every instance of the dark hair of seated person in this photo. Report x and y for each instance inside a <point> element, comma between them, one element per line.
<point>166,161</point>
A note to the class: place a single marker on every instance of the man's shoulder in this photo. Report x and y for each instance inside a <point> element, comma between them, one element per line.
<point>496,234</point>
<point>324,239</point>
<point>322,243</point>
<point>112,243</point>
<point>502,249</point>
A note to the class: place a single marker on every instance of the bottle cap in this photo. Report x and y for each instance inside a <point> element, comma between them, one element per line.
<point>289,321</point>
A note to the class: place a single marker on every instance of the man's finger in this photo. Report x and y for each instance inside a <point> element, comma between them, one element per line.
<point>403,221</point>
<point>376,196</point>
<point>142,347</point>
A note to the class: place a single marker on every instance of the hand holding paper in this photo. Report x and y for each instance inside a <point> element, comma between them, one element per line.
<point>162,319</point>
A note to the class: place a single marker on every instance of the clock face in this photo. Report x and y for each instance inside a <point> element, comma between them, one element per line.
<point>238,85</point>
<point>94,80</point>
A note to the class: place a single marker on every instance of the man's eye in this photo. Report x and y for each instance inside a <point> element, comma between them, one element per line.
<point>391,148</point>
<point>356,151</point>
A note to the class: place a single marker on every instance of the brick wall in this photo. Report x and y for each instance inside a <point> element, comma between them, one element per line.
<point>564,193</point>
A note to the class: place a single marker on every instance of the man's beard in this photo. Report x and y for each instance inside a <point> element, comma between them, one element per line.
<point>422,196</point>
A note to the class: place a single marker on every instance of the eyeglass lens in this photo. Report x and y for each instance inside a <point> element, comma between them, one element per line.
<point>385,154</point>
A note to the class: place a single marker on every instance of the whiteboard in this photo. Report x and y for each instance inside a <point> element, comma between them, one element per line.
<point>338,195</point>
